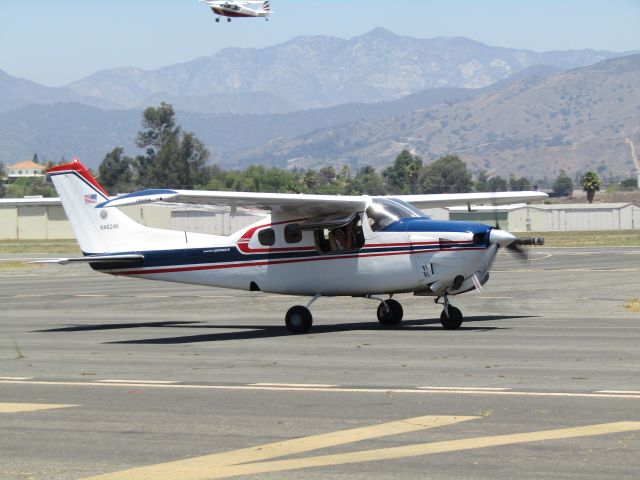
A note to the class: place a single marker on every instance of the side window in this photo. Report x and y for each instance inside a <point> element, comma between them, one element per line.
<point>347,238</point>
<point>292,233</point>
<point>267,237</point>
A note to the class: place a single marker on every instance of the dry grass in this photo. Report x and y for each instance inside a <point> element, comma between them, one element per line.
<point>39,246</point>
<point>613,238</point>
<point>633,305</point>
<point>602,197</point>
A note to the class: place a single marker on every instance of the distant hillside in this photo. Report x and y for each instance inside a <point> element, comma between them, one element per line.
<point>71,129</point>
<point>17,92</point>
<point>65,130</point>
<point>575,120</point>
<point>316,71</point>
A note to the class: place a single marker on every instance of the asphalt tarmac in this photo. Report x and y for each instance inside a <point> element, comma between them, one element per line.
<point>117,378</point>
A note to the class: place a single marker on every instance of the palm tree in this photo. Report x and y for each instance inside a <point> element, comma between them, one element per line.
<point>591,184</point>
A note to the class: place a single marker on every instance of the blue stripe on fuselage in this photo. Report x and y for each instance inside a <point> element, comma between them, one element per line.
<point>421,224</point>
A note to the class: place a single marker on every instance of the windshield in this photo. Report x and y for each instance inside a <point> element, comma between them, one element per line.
<point>384,211</point>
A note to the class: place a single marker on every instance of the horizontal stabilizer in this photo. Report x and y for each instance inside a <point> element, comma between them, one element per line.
<point>94,258</point>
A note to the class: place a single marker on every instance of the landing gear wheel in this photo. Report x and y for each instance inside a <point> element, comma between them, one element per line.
<point>298,319</point>
<point>228,19</point>
<point>453,320</point>
<point>217,20</point>
<point>392,314</point>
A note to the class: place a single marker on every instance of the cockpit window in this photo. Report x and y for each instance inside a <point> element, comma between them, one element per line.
<point>384,211</point>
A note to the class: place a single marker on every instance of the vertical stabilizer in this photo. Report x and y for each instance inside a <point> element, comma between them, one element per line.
<point>98,230</point>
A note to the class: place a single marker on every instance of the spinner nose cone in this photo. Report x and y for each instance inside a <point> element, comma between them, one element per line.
<point>501,237</point>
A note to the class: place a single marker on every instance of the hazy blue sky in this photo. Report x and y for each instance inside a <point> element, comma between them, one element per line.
<point>55,42</point>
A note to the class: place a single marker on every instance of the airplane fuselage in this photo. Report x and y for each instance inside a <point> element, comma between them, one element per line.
<point>241,12</point>
<point>409,257</point>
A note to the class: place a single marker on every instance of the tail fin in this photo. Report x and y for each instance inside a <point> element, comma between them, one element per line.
<point>265,6</point>
<point>98,230</point>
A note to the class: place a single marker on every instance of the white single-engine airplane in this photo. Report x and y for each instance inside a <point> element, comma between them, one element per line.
<point>311,245</point>
<point>234,8</point>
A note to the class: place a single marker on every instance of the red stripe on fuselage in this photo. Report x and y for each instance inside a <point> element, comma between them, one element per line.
<point>243,241</point>
<point>277,262</point>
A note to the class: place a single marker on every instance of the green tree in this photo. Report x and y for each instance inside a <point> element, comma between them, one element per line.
<point>482,183</point>
<point>191,164</point>
<point>30,186</point>
<point>563,185</point>
<point>448,174</point>
<point>497,184</point>
<point>630,183</point>
<point>310,180</point>
<point>173,159</point>
<point>403,175</point>
<point>366,182</point>
<point>2,180</point>
<point>591,184</point>
<point>116,172</point>
<point>519,184</point>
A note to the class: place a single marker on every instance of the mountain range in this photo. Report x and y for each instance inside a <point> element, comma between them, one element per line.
<point>315,101</point>
<point>576,120</point>
<point>312,72</point>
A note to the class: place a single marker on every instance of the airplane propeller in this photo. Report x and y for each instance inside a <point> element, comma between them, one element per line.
<point>514,246</point>
<point>518,243</point>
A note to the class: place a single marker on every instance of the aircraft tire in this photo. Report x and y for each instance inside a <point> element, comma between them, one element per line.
<point>393,315</point>
<point>298,319</point>
<point>453,320</point>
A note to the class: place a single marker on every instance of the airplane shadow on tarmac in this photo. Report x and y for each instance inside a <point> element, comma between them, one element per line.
<point>248,332</point>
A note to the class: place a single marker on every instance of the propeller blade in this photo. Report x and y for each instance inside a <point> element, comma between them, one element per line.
<point>477,284</point>
<point>515,248</point>
<point>530,241</point>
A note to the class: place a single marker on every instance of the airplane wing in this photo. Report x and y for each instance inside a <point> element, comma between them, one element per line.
<point>487,198</point>
<point>300,203</point>
<point>294,203</point>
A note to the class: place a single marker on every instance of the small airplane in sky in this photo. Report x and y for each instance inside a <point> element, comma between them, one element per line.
<point>307,245</point>
<point>234,8</point>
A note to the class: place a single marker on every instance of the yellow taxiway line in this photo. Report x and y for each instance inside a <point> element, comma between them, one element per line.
<point>251,461</point>
<point>209,465</point>
<point>29,407</point>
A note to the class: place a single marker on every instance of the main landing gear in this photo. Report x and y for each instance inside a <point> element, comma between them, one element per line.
<point>451,317</point>
<point>299,319</point>
<point>390,313</point>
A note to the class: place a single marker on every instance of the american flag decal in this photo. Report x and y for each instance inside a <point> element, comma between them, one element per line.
<point>90,198</point>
